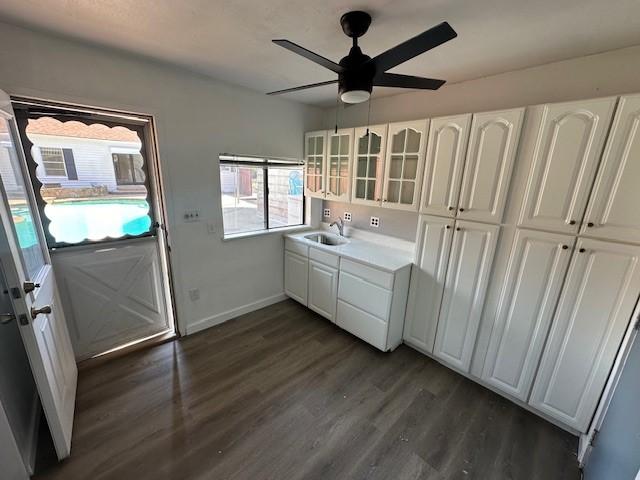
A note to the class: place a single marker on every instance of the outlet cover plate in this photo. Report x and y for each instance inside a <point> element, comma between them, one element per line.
<point>374,222</point>
<point>347,216</point>
<point>327,213</point>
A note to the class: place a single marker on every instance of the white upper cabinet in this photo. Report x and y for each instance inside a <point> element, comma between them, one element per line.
<point>565,159</point>
<point>315,144</point>
<point>446,150</point>
<point>614,207</point>
<point>466,282</point>
<point>493,143</point>
<point>529,291</point>
<point>368,164</point>
<point>592,315</point>
<point>338,165</point>
<point>427,280</point>
<point>404,164</point>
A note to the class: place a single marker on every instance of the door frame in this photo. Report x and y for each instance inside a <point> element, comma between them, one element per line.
<point>157,197</point>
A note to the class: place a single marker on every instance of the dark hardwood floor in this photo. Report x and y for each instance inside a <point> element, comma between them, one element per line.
<point>281,393</point>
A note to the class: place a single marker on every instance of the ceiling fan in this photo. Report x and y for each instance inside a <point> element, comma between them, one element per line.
<point>358,73</point>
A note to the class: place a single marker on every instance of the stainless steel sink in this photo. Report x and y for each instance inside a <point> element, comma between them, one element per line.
<point>326,239</point>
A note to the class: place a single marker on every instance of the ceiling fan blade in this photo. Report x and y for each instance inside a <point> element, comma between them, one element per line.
<point>413,47</point>
<point>308,54</point>
<point>303,87</point>
<point>407,81</point>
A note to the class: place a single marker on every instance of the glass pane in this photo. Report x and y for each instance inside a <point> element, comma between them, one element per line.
<point>395,169</point>
<point>344,167</point>
<point>335,145</point>
<point>343,186</point>
<point>333,166</point>
<point>362,167</point>
<point>319,165</point>
<point>333,185</point>
<point>344,145</point>
<point>311,144</point>
<point>319,145</point>
<point>407,193</point>
<point>285,197</point>
<point>371,190</point>
<point>397,145</point>
<point>393,192</point>
<point>361,187</point>
<point>242,199</point>
<point>375,143</point>
<point>21,213</point>
<point>97,190</point>
<point>363,145</point>
<point>410,167</point>
<point>413,141</point>
<point>373,163</point>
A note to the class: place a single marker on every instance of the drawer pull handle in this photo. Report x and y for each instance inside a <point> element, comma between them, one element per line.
<point>564,247</point>
<point>590,224</point>
<point>572,222</point>
<point>582,250</point>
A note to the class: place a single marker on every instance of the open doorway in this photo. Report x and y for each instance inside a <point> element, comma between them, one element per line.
<point>97,185</point>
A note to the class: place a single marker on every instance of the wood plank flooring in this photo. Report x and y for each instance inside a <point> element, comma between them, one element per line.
<point>282,393</point>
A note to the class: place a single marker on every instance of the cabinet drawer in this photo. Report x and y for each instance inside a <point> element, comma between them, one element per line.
<point>373,275</point>
<point>364,295</point>
<point>296,247</point>
<point>367,327</point>
<point>324,257</point>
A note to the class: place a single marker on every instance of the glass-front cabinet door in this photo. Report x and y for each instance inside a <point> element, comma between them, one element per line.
<point>340,145</point>
<point>314,155</point>
<point>368,169</point>
<point>404,164</point>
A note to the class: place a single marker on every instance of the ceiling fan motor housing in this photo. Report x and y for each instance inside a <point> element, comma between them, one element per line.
<point>358,72</point>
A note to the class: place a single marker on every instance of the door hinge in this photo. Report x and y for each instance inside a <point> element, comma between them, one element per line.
<point>592,442</point>
<point>15,292</point>
<point>23,319</point>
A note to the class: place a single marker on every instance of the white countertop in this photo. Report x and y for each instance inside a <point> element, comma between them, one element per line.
<point>379,254</point>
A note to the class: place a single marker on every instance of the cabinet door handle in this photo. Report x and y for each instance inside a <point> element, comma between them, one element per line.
<point>582,250</point>
<point>448,227</point>
<point>461,209</point>
<point>590,224</point>
<point>572,222</point>
<point>564,247</point>
<point>450,208</point>
<point>458,229</point>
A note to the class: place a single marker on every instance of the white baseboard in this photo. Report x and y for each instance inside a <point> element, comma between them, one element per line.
<point>234,312</point>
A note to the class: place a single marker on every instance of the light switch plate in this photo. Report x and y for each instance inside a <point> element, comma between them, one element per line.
<point>374,222</point>
<point>194,294</point>
<point>191,216</point>
<point>347,216</point>
<point>327,213</point>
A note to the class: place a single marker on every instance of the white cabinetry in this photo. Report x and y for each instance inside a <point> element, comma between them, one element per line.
<point>296,269</point>
<point>338,165</point>
<point>565,158</point>
<point>404,164</point>
<point>614,207</point>
<point>529,291</point>
<point>315,147</point>
<point>490,156</point>
<point>446,150</point>
<point>323,288</point>
<point>466,282</point>
<point>427,280</point>
<point>591,317</point>
<point>368,164</point>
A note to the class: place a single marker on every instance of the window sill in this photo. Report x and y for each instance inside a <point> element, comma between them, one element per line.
<point>260,233</point>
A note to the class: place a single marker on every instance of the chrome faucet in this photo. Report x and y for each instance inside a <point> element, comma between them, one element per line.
<point>340,224</point>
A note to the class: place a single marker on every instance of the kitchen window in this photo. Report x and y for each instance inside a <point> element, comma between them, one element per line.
<point>260,193</point>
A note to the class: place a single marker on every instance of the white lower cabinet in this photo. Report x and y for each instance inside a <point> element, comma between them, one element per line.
<point>296,274</point>
<point>529,291</point>
<point>592,315</point>
<point>323,288</point>
<point>466,282</point>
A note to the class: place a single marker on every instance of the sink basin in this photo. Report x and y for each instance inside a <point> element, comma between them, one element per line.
<point>326,239</point>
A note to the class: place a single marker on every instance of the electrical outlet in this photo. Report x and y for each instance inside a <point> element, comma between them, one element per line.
<point>194,294</point>
<point>191,216</point>
<point>347,216</point>
<point>327,213</point>
<point>374,222</point>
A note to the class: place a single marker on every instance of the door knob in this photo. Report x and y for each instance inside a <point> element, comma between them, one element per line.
<point>30,286</point>
<point>37,311</point>
<point>6,318</point>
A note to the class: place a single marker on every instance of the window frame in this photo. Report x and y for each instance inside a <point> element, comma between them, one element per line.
<point>44,167</point>
<point>130,154</point>
<point>265,163</point>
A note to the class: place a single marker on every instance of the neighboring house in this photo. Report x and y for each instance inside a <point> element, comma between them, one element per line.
<point>93,158</point>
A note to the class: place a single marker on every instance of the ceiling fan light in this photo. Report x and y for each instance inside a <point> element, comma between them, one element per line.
<point>355,96</point>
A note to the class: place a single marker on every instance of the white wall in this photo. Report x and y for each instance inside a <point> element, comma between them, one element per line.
<point>196,118</point>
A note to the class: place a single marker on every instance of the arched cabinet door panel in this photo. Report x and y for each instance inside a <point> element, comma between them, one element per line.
<point>338,169</point>
<point>315,148</point>
<point>493,143</point>
<point>368,165</point>
<point>564,161</point>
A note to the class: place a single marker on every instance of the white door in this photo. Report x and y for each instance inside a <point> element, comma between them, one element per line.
<point>446,151</point>
<point>323,289</point>
<point>404,164</point>
<point>296,274</point>
<point>24,258</point>
<point>592,315</point>
<point>529,292</point>
<point>315,144</point>
<point>468,273</point>
<point>493,143</point>
<point>613,211</point>
<point>339,159</point>
<point>368,164</point>
<point>565,158</point>
<point>427,280</point>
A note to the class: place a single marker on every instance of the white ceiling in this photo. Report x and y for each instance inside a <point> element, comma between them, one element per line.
<point>231,40</point>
